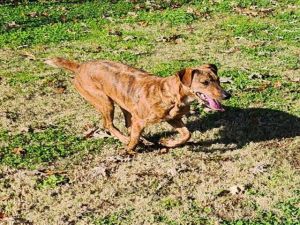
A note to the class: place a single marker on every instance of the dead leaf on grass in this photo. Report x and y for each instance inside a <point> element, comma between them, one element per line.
<point>59,90</point>
<point>292,75</point>
<point>115,33</point>
<point>223,193</point>
<point>132,14</point>
<point>45,14</point>
<point>232,50</point>
<point>176,38</point>
<point>101,134</point>
<point>12,24</point>
<point>32,14</point>
<point>63,18</point>
<point>143,23</point>
<point>277,84</point>
<point>129,38</point>
<point>119,158</point>
<point>253,11</point>
<point>28,55</point>
<point>90,132</point>
<point>2,216</point>
<point>163,151</point>
<point>48,172</point>
<point>258,76</point>
<point>101,170</point>
<point>260,168</point>
<point>226,80</point>
<point>237,189</point>
<point>19,151</point>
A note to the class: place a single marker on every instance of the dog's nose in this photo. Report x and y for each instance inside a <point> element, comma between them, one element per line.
<point>226,95</point>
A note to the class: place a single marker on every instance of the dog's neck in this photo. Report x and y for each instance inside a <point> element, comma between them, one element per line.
<point>181,93</point>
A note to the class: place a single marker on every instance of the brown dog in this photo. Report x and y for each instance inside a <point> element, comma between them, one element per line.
<point>144,99</point>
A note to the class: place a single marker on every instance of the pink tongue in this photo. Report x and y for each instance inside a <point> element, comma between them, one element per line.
<point>214,104</point>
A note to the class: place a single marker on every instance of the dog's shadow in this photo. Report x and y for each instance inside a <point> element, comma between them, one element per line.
<point>241,126</point>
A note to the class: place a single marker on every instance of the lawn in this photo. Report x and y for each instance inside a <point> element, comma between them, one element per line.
<point>240,167</point>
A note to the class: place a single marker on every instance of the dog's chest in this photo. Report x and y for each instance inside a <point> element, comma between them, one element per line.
<point>178,110</point>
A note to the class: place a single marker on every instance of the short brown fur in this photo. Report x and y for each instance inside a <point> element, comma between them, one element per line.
<point>144,99</point>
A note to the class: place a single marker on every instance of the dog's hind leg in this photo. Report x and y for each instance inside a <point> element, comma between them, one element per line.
<point>183,132</point>
<point>135,134</point>
<point>127,117</point>
<point>103,104</point>
<point>128,123</point>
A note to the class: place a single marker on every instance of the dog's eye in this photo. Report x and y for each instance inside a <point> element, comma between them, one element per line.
<point>205,83</point>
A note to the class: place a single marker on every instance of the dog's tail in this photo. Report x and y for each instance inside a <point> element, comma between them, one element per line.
<point>63,63</point>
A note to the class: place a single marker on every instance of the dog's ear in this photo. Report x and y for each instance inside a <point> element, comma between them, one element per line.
<point>186,76</point>
<point>212,67</point>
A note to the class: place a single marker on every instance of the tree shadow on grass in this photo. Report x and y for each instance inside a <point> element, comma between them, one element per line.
<point>239,127</point>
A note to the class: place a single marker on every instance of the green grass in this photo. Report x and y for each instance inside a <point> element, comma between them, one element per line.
<point>52,181</point>
<point>43,146</point>
<point>289,214</point>
<point>117,218</point>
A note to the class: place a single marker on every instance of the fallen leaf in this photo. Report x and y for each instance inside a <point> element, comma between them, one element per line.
<point>129,38</point>
<point>100,170</point>
<point>255,76</point>
<point>101,134</point>
<point>237,189</point>
<point>260,168</point>
<point>179,41</point>
<point>143,23</point>
<point>263,87</point>
<point>223,193</point>
<point>18,151</point>
<point>132,14</point>
<point>232,50</point>
<point>115,32</point>
<point>119,158</point>
<point>90,132</point>
<point>28,55</point>
<point>163,150</point>
<point>63,18</point>
<point>51,172</point>
<point>59,90</point>
<point>253,11</point>
<point>277,84</point>
<point>45,14</point>
<point>226,80</point>
<point>12,24</point>
<point>258,76</point>
<point>2,216</point>
<point>32,14</point>
<point>190,10</point>
<point>177,38</point>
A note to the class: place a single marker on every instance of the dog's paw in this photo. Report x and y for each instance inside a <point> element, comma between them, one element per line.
<point>168,143</point>
<point>127,153</point>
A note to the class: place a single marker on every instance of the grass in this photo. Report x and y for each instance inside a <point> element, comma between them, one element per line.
<point>32,148</point>
<point>255,45</point>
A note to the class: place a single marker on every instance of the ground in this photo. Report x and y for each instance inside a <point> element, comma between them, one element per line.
<point>240,167</point>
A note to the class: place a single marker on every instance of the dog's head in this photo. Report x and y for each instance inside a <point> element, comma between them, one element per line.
<point>204,83</point>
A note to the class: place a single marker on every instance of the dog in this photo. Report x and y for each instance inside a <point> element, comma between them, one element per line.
<point>144,98</point>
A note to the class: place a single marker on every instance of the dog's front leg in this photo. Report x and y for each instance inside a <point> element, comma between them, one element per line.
<point>183,132</point>
<point>135,134</point>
